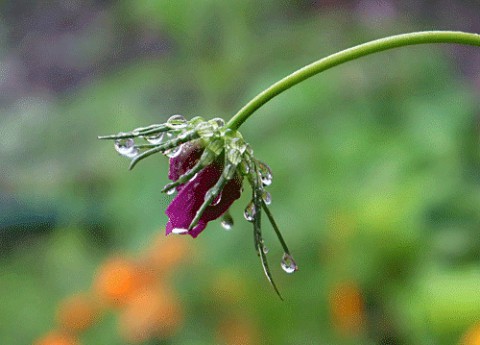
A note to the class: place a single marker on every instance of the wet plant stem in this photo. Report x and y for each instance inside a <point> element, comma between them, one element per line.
<point>422,37</point>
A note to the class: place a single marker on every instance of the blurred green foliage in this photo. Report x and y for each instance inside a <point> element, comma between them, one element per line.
<point>376,172</point>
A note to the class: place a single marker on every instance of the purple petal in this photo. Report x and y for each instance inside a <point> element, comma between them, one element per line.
<point>189,155</point>
<point>185,205</point>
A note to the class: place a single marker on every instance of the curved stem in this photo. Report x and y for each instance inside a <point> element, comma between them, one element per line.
<point>333,60</point>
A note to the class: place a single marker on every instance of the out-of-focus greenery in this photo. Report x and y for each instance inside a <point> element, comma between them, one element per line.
<point>376,166</point>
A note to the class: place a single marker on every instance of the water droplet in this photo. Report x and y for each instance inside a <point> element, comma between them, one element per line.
<point>229,171</point>
<point>217,200</point>
<point>208,194</point>
<point>172,153</point>
<point>288,264</point>
<point>267,197</point>
<point>234,156</point>
<point>179,231</point>
<point>155,139</point>
<point>205,130</point>
<point>265,173</point>
<point>133,153</point>
<point>265,250</point>
<point>177,122</point>
<point>219,121</point>
<point>171,191</point>
<point>227,221</point>
<point>238,144</point>
<point>126,147</point>
<point>244,168</point>
<point>196,120</point>
<point>250,211</point>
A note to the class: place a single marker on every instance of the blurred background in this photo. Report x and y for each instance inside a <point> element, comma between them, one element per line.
<point>376,174</point>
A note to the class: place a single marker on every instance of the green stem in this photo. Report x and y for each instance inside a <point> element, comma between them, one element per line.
<point>346,55</point>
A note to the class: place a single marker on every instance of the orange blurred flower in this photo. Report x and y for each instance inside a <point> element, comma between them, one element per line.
<point>347,309</point>
<point>118,279</point>
<point>472,337</point>
<point>77,312</point>
<point>151,312</point>
<point>57,338</point>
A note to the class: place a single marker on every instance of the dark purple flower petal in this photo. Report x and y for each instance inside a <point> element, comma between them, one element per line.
<point>190,197</point>
<point>189,155</point>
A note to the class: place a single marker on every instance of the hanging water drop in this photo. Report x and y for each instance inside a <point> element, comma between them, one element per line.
<point>219,121</point>
<point>126,147</point>
<point>174,152</point>
<point>265,173</point>
<point>205,130</point>
<point>171,191</point>
<point>234,156</point>
<point>244,168</point>
<point>250,211</point>
<point>288,264</point>
<point>267,197</point>
<point>227,221</point>
<point>177,122</point>
<point>265,250</point>
<point>179,231</point>
<point>133,153</point>
<point>229,171</point>
<point>155,139</point>
<point>209,194</point>
<point>217,200</point>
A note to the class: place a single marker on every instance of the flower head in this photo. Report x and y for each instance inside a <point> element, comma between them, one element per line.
<point>191,194</point>
<point>208,163</point>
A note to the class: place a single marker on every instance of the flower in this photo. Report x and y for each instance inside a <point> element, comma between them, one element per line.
<point>118,279</point>
<point>472,336</point>
<point>154,312</point>
<point>57,338</point>
<point>78,312</point>
<point>191,195</point>
<point>208,163</point>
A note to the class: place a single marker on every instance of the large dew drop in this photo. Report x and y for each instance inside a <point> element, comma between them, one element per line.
<point>219,121</point>
<point>267,197</point>
<point>227,221</point>
<point>126,147</point>
<point>205,130</point>
<point>155,139</point>
<point>265,173</point>
<point>250,211</point>
<point>288,264</point>
<point>177,122</point>
<point>244,168</point>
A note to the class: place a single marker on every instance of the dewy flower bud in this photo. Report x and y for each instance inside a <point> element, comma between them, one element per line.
<point>183,209</point>
<point>208,163</point>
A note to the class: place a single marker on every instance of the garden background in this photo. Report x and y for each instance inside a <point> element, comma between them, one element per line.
<point>376,172</point>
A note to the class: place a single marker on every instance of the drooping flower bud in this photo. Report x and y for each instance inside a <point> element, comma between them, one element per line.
<point>208,163</point>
